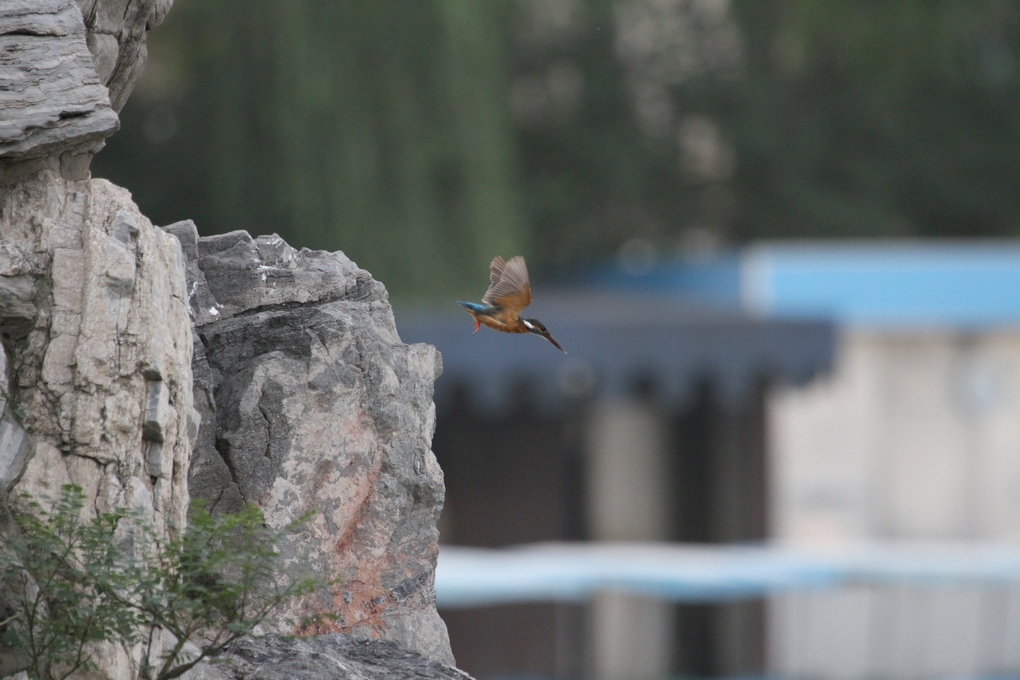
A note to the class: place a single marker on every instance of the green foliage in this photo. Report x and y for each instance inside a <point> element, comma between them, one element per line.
<point>422,138</point>
<point>380,128</point>
<point>71,583</point>
<point>872,119</point>
<point>213,584</point>
<point>58,575</point>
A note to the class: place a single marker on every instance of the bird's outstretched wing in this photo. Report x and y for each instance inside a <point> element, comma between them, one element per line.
<point>496,270</point>
<point>510,289</point>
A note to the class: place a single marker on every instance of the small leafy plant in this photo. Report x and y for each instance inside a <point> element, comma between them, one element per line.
<point>7,406</point>
<point>57,579</point>
<point>67,584</point>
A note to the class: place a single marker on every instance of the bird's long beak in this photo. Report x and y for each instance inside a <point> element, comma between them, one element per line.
<point>550,339</point>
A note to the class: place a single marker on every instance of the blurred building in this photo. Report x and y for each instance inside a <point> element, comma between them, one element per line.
<point>914,437</point>
<point>650,429</point>
<point>802,393</point>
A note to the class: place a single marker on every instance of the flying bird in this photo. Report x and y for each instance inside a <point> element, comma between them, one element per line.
<point>509,293</point>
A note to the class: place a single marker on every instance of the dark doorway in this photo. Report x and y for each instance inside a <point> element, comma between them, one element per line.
<point>519,479</point>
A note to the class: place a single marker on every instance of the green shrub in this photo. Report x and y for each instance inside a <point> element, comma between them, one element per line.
<point>68,584</point>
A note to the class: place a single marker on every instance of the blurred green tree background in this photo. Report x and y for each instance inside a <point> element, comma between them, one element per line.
<point>423,137</point>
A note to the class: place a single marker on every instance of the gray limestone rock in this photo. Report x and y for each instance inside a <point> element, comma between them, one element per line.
<point>103,364</point>
<point>51,96</point>
<point>324,657</point>
<point>19,271</point>
<point>66,69</point>
<point>294,392</point>
<point>314,403</point>
<point>15,448</point>
<point>97,350</point>
<point>116,38</point>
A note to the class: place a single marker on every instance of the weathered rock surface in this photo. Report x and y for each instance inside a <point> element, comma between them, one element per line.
<point>51,96</point>
<point>116,38</point>
<point>65,71</point>
<point>310,401</point>
<point>100,351</point>
<point>97,349</point>
<point>96,363</point>
<point>324,657</point>
<point>314,404</point>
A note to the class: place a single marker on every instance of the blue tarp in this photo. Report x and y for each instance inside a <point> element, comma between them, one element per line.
<point>471,577</point>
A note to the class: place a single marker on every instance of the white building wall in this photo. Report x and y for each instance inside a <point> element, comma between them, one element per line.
<point>915,436</point>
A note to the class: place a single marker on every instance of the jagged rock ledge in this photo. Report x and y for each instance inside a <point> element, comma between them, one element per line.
<point>310,401</point>
<point>324,657</point>
<point>66,68</point>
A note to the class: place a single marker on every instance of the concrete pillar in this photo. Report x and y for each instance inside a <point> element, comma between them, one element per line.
<point>628,496</point>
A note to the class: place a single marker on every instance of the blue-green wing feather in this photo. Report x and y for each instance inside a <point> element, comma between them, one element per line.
<point>476,307</point>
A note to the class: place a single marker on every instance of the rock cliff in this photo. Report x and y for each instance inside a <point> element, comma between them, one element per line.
<point>138,360</point>
<point>97,346</point>
<point>310,402</point>
<point>67,68</point>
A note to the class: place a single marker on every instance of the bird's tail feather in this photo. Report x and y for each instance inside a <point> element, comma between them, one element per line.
<point>474,306</point>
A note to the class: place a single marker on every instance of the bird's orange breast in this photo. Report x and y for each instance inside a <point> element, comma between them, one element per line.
<point>501,321</point>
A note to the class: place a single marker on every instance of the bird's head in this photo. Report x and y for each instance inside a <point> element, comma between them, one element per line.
<point>538,328</point>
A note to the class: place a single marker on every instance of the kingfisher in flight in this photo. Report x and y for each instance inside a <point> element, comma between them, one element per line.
<point>509,293</point>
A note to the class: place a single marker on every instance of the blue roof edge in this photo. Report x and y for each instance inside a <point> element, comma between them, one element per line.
<point>894,285</point>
